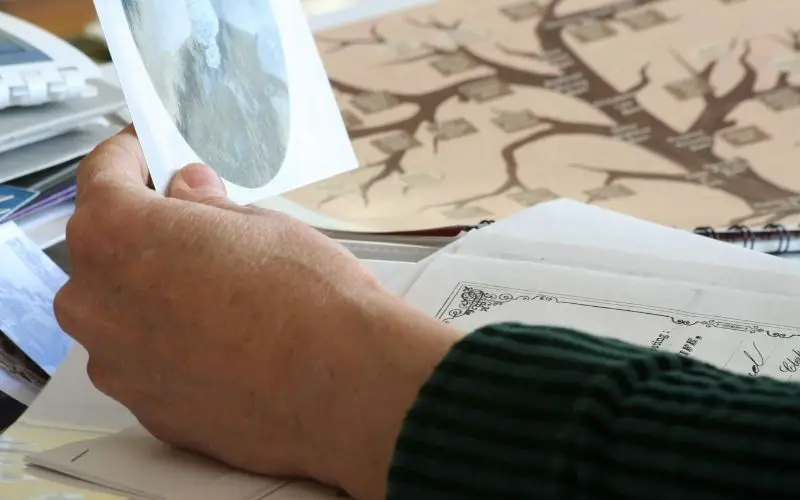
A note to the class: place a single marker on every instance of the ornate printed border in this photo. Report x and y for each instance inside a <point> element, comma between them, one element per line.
<point>470,298</point>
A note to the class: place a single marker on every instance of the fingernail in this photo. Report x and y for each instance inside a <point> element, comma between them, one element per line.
<point>200,177</point>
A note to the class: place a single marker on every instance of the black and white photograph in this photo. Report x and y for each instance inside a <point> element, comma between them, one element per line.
<point>219,69</point>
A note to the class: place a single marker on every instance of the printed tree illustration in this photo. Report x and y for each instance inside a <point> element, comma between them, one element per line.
<point>627,121</point>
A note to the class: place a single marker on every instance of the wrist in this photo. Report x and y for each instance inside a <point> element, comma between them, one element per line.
<point>392,351</point>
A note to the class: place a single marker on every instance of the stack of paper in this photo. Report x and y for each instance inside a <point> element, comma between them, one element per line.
<point>32,345</point>
<point>560,263</point>
<point>57,108</point>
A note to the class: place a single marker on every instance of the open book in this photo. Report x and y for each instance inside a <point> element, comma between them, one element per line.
<point>739,316</point>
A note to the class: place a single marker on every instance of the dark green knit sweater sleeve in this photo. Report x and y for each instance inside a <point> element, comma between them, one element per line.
<point>524,412</point>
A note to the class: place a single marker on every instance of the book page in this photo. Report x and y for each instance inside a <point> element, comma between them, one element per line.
<point>391,275</point>
<point>630,263</point>
<point>569,222</point>
<point>594,230</point>
<point>743,332</point>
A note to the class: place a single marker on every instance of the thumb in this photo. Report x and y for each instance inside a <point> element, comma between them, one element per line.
<point>198,183</point>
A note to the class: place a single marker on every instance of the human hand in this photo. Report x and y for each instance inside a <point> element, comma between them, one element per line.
<point>236,332</point>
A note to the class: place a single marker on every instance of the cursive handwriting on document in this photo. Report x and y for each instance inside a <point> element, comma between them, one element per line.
<point>756,358</point>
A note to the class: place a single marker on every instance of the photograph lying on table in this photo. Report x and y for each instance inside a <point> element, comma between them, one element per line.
<point>29,282</point>
<point>238,85</point>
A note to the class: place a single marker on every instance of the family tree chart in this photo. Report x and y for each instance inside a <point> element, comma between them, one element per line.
<point>685,112</point>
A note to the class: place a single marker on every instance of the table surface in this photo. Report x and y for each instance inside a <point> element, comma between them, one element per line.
<point>28,436</point>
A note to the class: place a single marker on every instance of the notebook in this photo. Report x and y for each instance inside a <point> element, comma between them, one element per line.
<point>37,67</point>
<point>775,239</point>
<point>12,199</point>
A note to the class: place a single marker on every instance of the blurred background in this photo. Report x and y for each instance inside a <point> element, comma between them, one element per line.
<point>66,18</point>
<point>74,20</point>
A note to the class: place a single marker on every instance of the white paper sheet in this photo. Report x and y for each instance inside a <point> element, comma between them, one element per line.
<point>135,463</point>
<point>393,275</point>
<point>744,332</point>
<point>568,222</point>
<point>70,399</point>
<point>253,101</point>
<point>628,263</point>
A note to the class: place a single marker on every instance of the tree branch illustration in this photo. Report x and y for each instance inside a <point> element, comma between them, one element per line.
<point>747,185</point>
<point>613,175</point>
<point>644,80</point>
<point>434,23</point>
<point>718,107</point>
<point>427,103</point>
<point>508,73</point>
<point>509,154</point>
<point>533,55</point>
<point>790,41</point>
<point>427,51</point>
<point>427,106</point>
<point>550,21</point>
<point>773,217</point>
<point>549,18</point>
<point>333,197</point>
<point>549,34</point>
<point>339,44</point>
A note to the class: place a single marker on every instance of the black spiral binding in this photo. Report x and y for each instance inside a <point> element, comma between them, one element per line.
<point>707,231</point>
<point>743,235</point>
<point>746,234</point>
<point>785,238</point>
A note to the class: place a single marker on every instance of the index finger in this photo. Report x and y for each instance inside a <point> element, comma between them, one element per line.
<point>116,162</point>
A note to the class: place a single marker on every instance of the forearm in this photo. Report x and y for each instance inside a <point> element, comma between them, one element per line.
<point>519,412</point>
<point>394,350</point>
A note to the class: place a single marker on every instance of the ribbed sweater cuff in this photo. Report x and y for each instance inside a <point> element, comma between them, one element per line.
<point>520,412</point>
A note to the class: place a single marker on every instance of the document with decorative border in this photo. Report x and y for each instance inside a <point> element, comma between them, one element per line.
<point>749,333</point>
